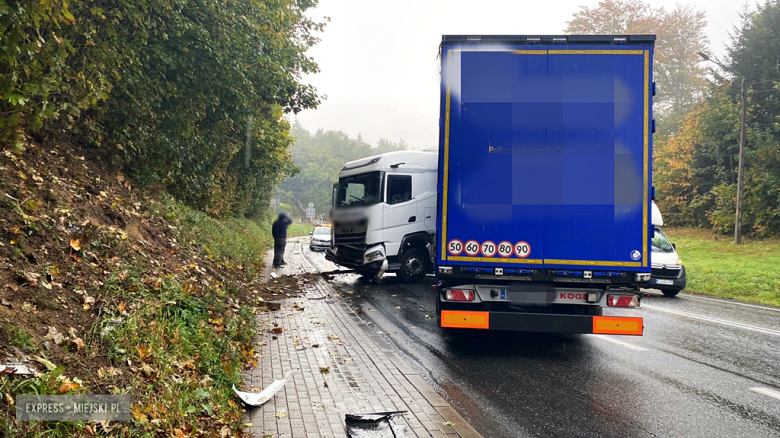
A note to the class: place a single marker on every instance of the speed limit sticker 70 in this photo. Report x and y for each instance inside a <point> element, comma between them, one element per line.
<point>455,247</point>
<point>522,249</point>
<point>472,248</point>
<point>488,248</point>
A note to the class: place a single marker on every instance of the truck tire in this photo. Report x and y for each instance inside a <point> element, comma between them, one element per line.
<point>670,292</point>
<point>414,266</point>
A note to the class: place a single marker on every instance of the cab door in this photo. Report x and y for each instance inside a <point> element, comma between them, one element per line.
<point>400,216</point>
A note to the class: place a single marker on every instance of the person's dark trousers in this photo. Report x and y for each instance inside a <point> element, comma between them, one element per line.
<point>279,245</point>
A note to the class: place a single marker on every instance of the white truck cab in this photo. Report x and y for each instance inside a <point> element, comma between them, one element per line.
<point>384,214</point>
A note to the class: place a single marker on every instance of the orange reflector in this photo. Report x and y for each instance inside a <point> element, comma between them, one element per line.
<point>613,325</point>
<point>463,319</point>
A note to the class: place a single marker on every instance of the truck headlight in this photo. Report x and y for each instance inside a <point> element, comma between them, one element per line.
<point>679,261</point>
<point>374,255</point>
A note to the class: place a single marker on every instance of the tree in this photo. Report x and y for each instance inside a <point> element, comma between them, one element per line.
<point>164,88</point>
<point>678,69</point>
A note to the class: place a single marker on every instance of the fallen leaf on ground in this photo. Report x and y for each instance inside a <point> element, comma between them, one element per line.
<point>324,369</point>
<point>280,415</point>
<point>75,244</point>
<point>277,330</point>
<point>333,337</point>
<point>78,343</point>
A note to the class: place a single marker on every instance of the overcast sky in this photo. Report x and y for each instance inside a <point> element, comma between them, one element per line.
<point>378,61</point>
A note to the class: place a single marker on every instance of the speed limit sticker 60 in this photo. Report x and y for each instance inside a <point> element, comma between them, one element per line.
<point>472,248</point>
<point>522,249</point>
<point>455,247</point>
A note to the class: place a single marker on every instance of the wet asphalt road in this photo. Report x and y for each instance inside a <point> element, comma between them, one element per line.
<point>704,368</point>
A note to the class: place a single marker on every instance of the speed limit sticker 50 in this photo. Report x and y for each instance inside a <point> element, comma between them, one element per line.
<point>455,247</point>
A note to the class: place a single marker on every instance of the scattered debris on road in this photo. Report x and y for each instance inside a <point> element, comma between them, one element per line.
<point>375,425</point>
<point>258,398</point>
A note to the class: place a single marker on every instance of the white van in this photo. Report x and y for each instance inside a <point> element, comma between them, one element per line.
<point>668,271</point>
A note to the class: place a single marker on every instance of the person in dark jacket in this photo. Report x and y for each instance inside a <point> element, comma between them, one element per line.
<point>279,231</point>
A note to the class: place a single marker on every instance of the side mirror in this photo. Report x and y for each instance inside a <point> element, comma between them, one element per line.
<point>674,247</point>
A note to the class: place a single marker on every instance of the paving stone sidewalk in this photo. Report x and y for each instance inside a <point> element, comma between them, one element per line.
<point>363,375</point>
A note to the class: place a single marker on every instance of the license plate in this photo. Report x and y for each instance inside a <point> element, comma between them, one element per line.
<point>666,282</point>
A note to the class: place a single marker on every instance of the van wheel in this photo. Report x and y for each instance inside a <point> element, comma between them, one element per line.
<point>670,292</point>
<point>414,266</point>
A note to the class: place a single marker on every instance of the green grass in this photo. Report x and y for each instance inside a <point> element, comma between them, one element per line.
<point>296,230</point>
<point>228,241</point>
<point>18,337</point>
<point>749,272</point>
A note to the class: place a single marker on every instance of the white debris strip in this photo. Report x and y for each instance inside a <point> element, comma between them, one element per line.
<point>258,398</point>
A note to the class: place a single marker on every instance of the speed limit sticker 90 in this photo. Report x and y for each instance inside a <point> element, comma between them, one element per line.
<point>522,249</point>
<point>472,248</point>
<point>455,247</point>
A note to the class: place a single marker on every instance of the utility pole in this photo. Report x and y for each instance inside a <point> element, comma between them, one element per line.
<point>247,150</point>
<point>741,171</point>
<point>742,129</point>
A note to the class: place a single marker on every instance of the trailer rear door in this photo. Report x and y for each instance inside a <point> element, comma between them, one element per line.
<point>545,156</point>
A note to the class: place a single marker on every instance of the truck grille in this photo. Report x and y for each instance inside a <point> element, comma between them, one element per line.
<point>665,272</point>
<point>356,239</point>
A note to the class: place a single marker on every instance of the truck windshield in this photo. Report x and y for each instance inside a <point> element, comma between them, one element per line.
<point>359,190</point>
<point>660,242</point>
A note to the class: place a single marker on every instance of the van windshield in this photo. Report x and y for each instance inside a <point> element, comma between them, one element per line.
<point>359,190</point>
<point>660,242</point>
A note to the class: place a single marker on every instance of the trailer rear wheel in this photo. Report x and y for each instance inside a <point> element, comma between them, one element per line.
<point>414,265</point>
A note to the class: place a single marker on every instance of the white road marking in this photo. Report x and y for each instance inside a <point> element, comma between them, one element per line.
<point>731,302</point>
<point>715,320</point>
<point>767,391</point>
<point>619,342</point>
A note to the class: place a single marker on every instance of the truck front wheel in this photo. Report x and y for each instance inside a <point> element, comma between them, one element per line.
<point>414,265</point>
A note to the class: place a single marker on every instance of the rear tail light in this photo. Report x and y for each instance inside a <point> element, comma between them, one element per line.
<point>460,295</point>
<point>622,301</point>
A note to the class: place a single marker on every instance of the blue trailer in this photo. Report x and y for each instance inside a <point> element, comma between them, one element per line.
<point>545,188</point>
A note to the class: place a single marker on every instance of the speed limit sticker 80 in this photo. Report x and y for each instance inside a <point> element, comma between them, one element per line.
<point>489,249</point>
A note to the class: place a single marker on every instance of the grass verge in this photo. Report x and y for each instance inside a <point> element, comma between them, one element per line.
<point>717,267</point>
<point>296,230</point>
<point>173,326</point>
